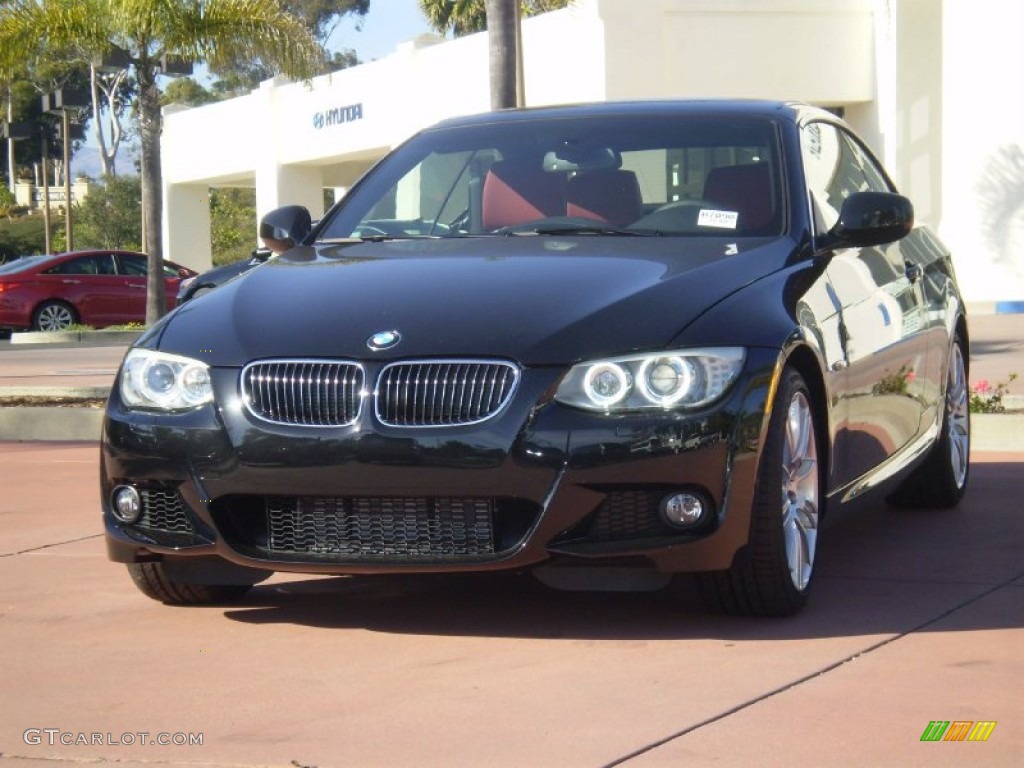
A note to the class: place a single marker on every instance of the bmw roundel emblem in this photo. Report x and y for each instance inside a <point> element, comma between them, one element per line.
<point>383,340</point>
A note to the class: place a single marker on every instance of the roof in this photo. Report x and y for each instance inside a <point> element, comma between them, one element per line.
<point>750,107</point>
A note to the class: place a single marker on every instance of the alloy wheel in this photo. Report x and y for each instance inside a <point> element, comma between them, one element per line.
<point>958,417</point>
<point>55,317</point>
<point>800,491</point>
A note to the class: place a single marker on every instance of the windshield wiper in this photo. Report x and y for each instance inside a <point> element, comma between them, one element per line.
<point>581,230</point>
<point>373,239</point>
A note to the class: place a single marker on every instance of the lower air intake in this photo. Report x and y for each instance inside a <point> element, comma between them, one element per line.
<point>411,527</point>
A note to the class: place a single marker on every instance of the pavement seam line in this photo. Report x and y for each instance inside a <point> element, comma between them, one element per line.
<point>48,546</point>
<point>811,676</point>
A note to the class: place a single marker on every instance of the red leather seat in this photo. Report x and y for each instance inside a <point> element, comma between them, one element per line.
<point>514,193</point>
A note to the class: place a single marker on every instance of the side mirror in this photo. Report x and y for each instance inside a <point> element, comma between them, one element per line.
<point>290,223</point>
<point>872,218</point>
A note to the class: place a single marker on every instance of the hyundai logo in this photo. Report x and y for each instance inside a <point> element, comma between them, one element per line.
<point>383,340</point>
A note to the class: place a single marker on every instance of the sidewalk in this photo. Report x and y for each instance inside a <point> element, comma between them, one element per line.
<point>82,371</point>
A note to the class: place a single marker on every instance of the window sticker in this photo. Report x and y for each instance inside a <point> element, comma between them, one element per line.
<point>717,219</point>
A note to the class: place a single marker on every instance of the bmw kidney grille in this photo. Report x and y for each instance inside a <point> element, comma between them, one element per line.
<point>424,393</point>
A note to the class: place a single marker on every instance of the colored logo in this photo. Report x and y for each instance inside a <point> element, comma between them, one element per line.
<point>383,340</point>
<point>958,730</point>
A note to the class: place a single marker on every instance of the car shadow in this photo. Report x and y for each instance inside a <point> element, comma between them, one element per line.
<point>881,571</point>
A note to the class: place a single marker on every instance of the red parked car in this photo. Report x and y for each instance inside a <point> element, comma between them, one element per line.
<point>97,288</point>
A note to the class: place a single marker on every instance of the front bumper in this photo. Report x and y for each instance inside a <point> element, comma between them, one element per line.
<point>539,482</point>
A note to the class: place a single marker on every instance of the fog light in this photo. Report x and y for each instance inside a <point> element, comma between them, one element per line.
<point>683,510</point>
<point>127,504</point>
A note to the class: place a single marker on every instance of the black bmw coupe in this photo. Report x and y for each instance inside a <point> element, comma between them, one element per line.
<point>607,343</point>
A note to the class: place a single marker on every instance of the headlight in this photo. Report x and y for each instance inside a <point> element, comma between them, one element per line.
<point>155,380</point>
<point>678,379</point>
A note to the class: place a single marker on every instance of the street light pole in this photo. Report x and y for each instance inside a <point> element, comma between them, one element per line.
<point>46,194</point>
<point>69,235</point>
<point>61,102</point>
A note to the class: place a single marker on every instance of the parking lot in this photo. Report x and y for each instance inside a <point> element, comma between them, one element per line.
<point>917,617</point>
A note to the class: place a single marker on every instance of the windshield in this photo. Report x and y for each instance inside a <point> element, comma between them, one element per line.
<point>619,176</point>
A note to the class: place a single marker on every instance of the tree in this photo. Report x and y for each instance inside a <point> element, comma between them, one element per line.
<point>111,92</point>
<point>502,46</point>
<point>185,90</point>
<point>232,223</point>
<point>216,31</point>
<point>464,17</point>
<point>320,17</point>
<point>109,215</point>
<point>23,85</point>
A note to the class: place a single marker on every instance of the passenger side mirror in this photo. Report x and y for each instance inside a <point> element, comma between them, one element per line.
<point>289,224</point>
<point>872,218</point>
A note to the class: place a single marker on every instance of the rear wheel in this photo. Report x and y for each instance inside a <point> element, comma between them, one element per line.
<point>773,576</point>
<point>163,583</point>
<point>942,480</point>
<point>53,316</point>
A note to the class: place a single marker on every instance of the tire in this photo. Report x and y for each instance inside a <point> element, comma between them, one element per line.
<point>941,481</point>
<point>153,581</point>
<point>53,316</point>
<point>774,574</point>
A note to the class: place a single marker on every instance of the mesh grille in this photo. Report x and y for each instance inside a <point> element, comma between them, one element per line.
<point>164,510</point>
<point>629,515</point>
<point>434,528</point>
<point>441,393</point>
<point>314,393</point>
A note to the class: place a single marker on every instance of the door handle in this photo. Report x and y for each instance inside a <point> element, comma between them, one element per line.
<point>914,271</point>
<point>70,282</point>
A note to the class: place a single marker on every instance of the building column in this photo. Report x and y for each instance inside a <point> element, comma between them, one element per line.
<point>188,242</point>
<point>278,183</point>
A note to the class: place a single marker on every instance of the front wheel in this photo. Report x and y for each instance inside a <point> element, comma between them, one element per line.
<point>173,585</point>
<point>773,576</point>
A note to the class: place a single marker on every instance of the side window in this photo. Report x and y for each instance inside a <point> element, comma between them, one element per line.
<point>133,266</point>
<point>836,166</point>
<point>84,265</point>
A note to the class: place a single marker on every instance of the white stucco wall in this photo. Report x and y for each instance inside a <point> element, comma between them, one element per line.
<point>982,165</point>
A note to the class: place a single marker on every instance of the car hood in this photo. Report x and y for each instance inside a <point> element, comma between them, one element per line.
<point>536,299</point>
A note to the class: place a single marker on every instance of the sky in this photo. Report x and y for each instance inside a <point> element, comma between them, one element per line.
<point>388,23</point>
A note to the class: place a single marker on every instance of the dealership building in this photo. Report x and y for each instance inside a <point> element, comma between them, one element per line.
<point>929,84</point>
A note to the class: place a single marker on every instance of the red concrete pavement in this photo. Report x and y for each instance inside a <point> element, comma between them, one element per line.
<point>918,616</point>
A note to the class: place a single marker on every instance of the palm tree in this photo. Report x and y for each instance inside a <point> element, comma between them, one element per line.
<point>150,31</point>
<point>463,17</point>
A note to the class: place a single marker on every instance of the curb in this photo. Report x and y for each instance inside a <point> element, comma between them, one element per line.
<point>997,431</point>
<point>87,338</point>
<point>50,424</point>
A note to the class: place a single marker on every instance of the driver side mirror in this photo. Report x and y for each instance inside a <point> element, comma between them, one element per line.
<point>872,218</point>
<point>290,223</point>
